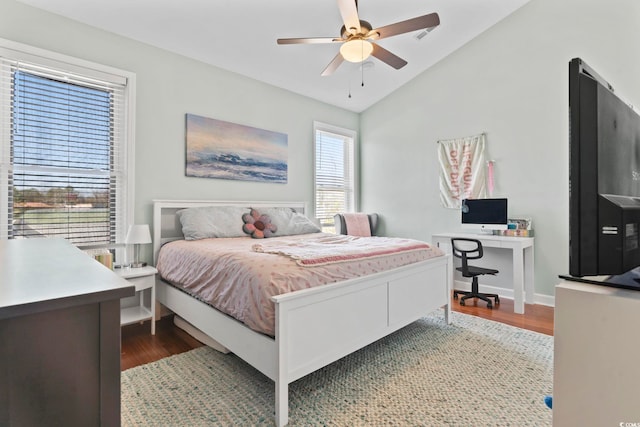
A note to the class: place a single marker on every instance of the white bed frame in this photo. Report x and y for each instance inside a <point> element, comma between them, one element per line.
<point>314,327</point>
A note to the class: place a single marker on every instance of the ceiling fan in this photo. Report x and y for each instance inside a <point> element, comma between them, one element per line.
<point>358,36</point>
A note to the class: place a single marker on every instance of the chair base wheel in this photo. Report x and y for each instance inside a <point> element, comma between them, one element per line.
<point>476,295</point>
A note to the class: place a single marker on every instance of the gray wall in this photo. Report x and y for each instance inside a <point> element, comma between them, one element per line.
<point>511,82</point>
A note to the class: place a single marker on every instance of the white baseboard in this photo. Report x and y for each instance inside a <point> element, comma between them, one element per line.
<point>543,299</point>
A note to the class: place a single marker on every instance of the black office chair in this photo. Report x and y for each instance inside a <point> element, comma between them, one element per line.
<point>467,249</point>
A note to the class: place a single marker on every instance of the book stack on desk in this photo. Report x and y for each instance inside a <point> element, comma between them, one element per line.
<point>518,227</point>
<point>513,233</point>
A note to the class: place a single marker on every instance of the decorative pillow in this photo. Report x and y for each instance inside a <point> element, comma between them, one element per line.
<point>290,222</point>
<point>211,221</point>
<point>259,226</point>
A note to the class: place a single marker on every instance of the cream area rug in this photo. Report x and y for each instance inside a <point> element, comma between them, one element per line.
<point>473,372</point>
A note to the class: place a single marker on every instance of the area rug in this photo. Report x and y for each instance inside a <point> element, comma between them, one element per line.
<point>473,372</point>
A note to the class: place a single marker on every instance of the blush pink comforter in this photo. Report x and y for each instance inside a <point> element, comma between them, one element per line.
<point>239,276</point>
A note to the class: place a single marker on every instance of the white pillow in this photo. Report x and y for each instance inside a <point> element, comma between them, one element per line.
<point>212,221</point>
<point>289,222</point>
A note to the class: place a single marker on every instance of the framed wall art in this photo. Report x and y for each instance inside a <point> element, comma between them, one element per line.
<point>224,150</point>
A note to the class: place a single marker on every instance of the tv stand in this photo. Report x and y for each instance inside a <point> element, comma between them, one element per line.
<point>520,250</point>
<point>595,373</point>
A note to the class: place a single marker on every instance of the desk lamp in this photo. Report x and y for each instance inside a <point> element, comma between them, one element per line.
<point>138,234</point>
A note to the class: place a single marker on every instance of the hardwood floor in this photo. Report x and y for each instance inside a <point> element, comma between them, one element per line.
<point>140,347</point>
<point>538,318</point>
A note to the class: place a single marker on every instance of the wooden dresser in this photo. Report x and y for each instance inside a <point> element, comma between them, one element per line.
<point>59,336</point>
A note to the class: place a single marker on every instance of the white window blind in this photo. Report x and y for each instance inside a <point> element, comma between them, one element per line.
<point>334,173</point>
<point>64,154</point>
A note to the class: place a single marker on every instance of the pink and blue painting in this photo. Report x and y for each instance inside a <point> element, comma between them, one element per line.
<point>224,150</point>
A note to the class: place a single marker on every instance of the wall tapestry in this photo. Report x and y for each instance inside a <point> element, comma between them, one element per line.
<point>223,150</point>
<point>462,174</point>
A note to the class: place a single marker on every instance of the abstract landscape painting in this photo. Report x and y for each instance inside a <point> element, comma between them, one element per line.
<point>223,150</point>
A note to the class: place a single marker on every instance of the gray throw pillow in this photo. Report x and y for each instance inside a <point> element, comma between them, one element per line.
<point>212,221</point>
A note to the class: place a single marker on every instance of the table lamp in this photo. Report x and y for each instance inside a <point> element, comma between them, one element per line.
<point>138,234</point>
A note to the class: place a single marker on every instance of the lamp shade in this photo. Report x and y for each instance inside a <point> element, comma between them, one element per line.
<point>138,233</point>
<point>356,50</point>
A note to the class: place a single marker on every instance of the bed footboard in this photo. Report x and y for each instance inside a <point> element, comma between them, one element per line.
<point>318,326</point>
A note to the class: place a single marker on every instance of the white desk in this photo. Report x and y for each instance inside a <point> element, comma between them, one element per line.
<point>521,249</point>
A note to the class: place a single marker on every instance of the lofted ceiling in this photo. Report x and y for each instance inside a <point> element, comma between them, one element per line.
<point>240,36</point>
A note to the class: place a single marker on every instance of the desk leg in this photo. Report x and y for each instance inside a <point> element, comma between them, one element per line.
<point>529,284</point>
<point>518,282</point>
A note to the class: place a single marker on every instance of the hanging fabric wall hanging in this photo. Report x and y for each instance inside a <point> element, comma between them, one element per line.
<point>462,170</point>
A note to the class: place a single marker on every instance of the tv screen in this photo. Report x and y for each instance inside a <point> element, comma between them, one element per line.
<point>484,214</point>
<point>604,177</point>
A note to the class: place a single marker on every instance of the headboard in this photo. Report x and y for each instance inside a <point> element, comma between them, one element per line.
<point>167,226</point>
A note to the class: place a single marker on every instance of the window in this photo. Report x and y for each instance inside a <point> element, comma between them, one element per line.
<point>335,186</point>
<point>64,134</point>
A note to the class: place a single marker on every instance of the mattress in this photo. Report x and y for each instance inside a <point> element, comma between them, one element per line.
<point>238,276</point>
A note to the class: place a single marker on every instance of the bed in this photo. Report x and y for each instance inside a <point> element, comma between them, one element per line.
<point>315,326</point>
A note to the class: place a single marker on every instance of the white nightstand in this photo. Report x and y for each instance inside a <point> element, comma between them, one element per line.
<point>144,279</point>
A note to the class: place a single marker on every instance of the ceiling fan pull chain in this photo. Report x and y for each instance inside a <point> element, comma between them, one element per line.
<point>362,63</point>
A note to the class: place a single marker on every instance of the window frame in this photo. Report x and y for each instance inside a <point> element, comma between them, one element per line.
<point>352,135</point>
<point>14,51</point>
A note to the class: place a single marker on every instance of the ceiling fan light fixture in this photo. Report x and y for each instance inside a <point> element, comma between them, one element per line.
<point>356,50</point>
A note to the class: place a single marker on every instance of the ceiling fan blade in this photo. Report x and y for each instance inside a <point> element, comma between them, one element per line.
<point>387,57</point>
<point>333,65</point>
<point>310,40</point>
<point>414,24</point>
<point>349,13</point>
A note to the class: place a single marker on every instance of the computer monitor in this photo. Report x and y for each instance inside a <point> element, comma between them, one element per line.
<point>484,215</point>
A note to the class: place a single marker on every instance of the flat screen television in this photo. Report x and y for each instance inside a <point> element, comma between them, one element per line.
<point>484,215</point>
<point>604,179</point>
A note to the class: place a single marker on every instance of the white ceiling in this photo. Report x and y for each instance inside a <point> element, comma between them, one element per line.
<point>240,36</point>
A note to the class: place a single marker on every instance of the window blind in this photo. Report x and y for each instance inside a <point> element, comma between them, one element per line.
<point>334,176</point>
<point>64,158</point>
